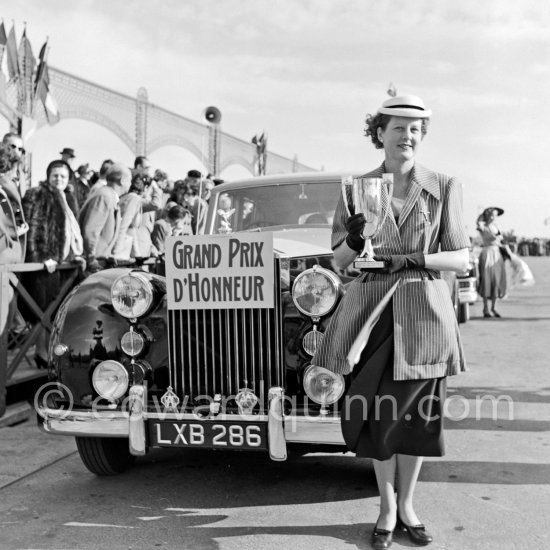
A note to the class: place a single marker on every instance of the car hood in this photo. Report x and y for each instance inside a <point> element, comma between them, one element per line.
<point>297,242</point>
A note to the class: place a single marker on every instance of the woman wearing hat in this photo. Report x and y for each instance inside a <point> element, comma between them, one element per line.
<point>400,378</point>
<point>492,273</point>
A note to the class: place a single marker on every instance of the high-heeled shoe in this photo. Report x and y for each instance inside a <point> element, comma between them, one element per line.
<point>417,533</point>
<point>381,538</point>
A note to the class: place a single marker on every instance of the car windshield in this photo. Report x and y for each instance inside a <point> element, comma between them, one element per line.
<point>254,208</point>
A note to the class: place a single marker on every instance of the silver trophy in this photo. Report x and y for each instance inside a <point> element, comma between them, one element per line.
<point>366,194</point>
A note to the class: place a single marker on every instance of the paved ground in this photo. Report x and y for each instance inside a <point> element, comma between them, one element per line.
<point>490,491</point>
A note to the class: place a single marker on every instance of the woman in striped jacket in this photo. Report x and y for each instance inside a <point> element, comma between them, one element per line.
<point>400,378</point>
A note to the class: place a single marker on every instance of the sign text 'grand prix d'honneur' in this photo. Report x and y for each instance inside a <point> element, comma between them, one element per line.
<point>220,272</point>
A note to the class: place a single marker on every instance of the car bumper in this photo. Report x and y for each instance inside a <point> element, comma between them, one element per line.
<point>132,424</point>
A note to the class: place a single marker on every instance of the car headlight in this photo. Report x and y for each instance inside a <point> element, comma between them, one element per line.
<point>322,385</point>
<point>110,380</point>
<point>132,295</point>
<point>316,291</point>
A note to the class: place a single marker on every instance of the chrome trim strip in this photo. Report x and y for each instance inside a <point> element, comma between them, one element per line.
<point>236,352</point>
<point>253,348</point>
<point>313,429</point>
<point>279,365</point>
<point>196,314</point>
<point>275,427</point>
<point>171,359</point>
<point>225,352</point>
<point>136,404</point>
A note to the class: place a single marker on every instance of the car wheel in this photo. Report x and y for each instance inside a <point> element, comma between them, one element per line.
<point>104,456</point>
<point>463,313</point>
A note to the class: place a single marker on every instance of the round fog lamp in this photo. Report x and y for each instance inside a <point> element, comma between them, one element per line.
<point>132,343</point>
<point>110,380</point>
<point>312,340</point>
<point>132,295</point>
<point>316,291</point>
<point>323,386</point>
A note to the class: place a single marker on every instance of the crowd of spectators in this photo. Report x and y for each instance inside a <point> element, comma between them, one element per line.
<point>96,219</point>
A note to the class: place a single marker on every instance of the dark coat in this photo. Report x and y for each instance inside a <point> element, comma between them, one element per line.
<point>45,214</point>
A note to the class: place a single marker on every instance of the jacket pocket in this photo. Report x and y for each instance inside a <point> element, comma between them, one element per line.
<point>426,329</point>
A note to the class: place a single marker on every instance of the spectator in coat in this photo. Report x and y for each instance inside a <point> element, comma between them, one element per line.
<point>12,228</point>
<point>82,184</point>
<point>101,181</point>
<point>54,236</point>
<point>100,220</point>
<point>132,209</point>
<point>17,173</point>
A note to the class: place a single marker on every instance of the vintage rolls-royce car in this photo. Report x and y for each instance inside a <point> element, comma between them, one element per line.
<point>217,353</point>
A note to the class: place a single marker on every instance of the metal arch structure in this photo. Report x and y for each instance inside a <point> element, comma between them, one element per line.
<point>145,127</point>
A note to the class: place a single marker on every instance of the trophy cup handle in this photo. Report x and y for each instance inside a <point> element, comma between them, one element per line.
<point>347,181</point>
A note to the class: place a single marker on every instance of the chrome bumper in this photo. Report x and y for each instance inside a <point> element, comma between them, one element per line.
<point>281,429</point>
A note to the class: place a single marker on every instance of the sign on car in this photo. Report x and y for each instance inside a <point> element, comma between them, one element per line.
<point>220,271</point>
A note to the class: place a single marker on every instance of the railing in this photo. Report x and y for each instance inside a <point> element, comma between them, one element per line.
<point>14,349</point>
<point>10,362</point>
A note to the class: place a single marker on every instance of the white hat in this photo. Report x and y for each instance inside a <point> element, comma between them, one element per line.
<point>405,105</point>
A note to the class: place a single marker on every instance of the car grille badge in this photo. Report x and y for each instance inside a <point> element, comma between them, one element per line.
<point>246,401</point>
<point>170,400</point>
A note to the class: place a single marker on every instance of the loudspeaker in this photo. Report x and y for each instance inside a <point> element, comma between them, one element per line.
<point>212,115</point>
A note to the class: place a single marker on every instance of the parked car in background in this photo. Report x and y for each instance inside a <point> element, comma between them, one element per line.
<point>467,289</point>
<point>217,354</point>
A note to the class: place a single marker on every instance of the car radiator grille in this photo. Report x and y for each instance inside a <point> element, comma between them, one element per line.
<point>220,351</point>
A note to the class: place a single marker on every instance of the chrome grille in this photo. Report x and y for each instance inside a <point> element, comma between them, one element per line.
<point>222,350</point>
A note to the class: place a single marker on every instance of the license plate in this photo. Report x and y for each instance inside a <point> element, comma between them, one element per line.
<point>209,434</point>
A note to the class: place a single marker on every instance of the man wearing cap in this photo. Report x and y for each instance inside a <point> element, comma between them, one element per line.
<point>99,218</point>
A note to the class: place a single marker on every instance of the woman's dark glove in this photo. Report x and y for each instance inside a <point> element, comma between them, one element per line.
<point>402,261</point>
<point>354,226</point>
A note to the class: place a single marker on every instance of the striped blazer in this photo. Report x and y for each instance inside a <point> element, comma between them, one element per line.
<point>426,337</point>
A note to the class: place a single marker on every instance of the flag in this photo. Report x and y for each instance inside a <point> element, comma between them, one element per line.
<point>13,60</point>
<point>42,87</point>
<point>26,69</point>
<point>41,64</point>
<point>45,95</point>
<point>3,42</point>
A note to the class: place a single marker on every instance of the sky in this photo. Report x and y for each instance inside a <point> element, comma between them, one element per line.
<point>308,71</point>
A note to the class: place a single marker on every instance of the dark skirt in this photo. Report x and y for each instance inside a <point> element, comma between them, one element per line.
<point>382,416</point>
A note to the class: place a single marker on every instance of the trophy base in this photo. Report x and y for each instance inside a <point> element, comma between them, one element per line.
<point>366,263</point>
